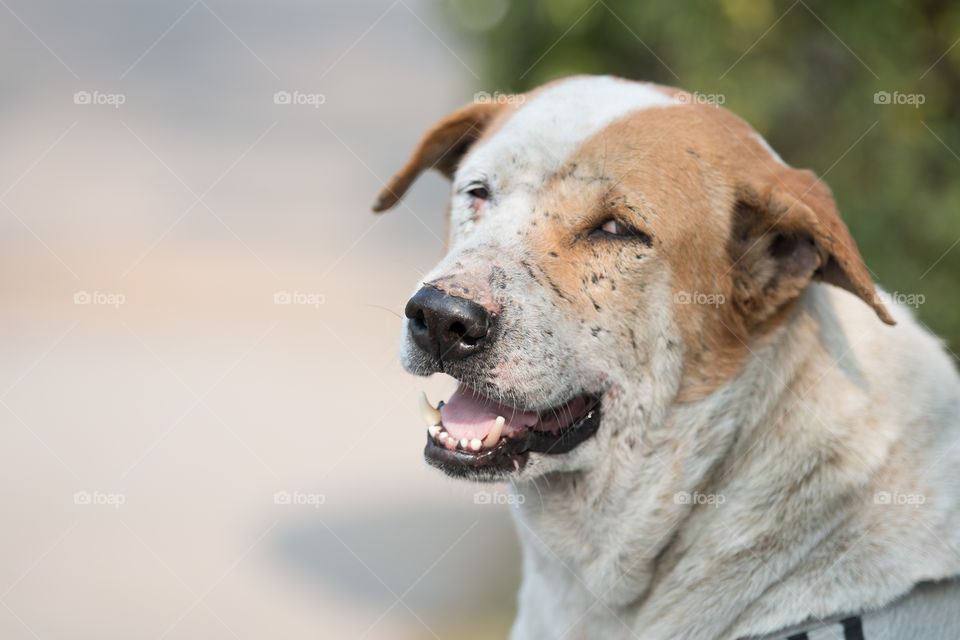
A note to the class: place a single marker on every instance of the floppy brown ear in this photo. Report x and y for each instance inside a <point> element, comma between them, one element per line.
<point>441,148</point>
<point>786,232</point>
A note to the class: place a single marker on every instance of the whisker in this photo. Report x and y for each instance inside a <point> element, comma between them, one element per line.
<point>387,309</point>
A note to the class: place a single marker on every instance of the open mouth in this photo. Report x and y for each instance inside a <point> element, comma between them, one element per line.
<point>471,434</point>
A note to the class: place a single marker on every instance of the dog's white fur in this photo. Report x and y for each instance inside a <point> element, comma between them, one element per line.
<point>755,507</point>
<point>789,542</point>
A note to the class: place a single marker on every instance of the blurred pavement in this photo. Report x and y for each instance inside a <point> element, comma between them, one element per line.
<point>158,408</point>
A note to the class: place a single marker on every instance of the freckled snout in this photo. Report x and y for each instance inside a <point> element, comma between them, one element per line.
<point>449,327</point>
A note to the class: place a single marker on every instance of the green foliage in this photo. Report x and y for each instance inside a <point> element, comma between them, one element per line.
<point>805,75</point>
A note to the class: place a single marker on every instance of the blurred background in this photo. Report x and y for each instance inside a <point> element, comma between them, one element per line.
<point>206,432</point>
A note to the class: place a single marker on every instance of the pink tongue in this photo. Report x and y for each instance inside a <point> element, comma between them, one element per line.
<point>468,415</point>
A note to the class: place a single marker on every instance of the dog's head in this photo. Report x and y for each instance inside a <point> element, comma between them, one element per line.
<point>614,248</point>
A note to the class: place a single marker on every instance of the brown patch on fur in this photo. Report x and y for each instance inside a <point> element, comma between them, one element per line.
<point>620,173</point>
<point>730,226</point>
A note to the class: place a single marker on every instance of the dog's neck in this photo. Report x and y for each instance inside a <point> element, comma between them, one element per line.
<point>639,517</point>
<point>696,508</point>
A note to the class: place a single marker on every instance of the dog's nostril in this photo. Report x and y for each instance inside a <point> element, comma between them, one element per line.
<point>419,322</point>
<point>448,326</point>
<point>468,337</point>
<point>470,341</point>
<point>458,329</point>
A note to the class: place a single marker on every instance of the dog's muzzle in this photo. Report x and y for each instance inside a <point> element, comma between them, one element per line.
<point>473,434</point>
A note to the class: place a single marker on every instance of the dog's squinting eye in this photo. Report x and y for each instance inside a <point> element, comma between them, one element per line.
<point>479,192</point>
<point>612,228</point>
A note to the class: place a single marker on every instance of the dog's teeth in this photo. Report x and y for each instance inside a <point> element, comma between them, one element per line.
<point>494,436</point>
<point>475,444</point>
<point>430,415</point>
<point>464,443</point>
<point>434,431</point>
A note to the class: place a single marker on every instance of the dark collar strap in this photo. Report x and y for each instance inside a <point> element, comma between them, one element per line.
<point>852,630</point>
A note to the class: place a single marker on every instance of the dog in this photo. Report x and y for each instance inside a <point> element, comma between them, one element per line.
<point>667,342</point>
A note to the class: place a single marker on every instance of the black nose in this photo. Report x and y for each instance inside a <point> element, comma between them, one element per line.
<point>446,326</point>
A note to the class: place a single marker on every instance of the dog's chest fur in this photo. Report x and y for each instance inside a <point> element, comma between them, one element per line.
<point>798,450</point>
